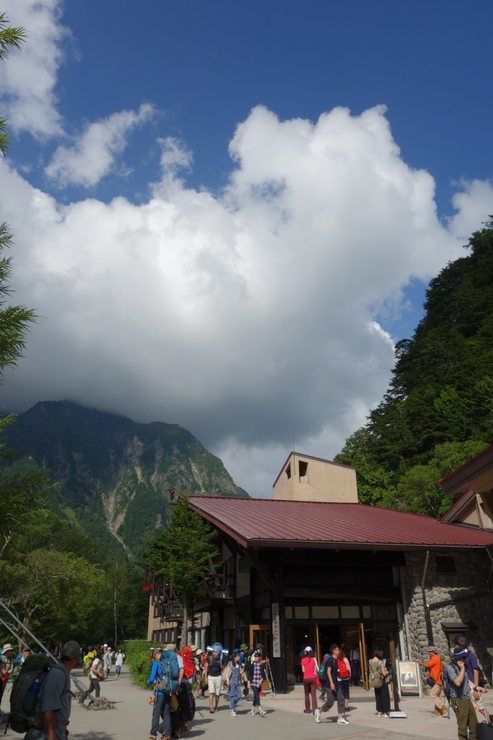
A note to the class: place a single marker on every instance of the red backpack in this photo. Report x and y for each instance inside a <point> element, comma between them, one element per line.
<point>188,662</point>
<point>342,668</point>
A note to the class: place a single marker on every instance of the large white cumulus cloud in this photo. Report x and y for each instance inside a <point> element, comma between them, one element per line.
<point>246,317</point>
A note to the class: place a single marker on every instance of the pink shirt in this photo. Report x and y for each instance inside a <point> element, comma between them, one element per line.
<point>309,664</point>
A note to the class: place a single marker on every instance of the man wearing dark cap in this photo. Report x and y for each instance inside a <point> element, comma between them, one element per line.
<point>54,698</point>
<point>460,697</point>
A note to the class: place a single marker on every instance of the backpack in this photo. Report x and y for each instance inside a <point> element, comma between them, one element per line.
<point>25,690</point>
<point>169,670</point>
<point>343,669</point>
<point>446,682</point>
<point>375,679</point>
<point>188,662</point>
<point>186,701</point>
<point>322,674</point>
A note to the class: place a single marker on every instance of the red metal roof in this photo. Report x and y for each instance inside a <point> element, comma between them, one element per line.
<point>276,523</point>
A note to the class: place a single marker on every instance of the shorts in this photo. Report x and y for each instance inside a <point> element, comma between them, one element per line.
<point>214,683</point>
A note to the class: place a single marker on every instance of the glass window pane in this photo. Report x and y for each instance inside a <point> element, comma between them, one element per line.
<point>349,612</point>
<point>325,612</point>
<point>301,612</point>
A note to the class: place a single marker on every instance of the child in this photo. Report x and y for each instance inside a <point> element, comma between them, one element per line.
<point>235,675</point>
<point>255,678</point>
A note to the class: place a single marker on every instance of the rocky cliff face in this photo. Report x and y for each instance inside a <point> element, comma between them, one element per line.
<point>114,473</point>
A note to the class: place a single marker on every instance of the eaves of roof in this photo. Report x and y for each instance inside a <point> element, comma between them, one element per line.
<point>269,523</point>
<point>473,468</point>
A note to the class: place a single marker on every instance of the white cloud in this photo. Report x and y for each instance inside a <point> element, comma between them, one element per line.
<point>28,77</point>
<point>243,316</point>
<point>94,152</point>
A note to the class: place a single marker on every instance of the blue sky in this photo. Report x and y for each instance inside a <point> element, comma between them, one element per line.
<point>81,138</point>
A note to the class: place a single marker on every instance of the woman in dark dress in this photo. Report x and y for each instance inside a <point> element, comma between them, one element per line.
<point>382,696</point>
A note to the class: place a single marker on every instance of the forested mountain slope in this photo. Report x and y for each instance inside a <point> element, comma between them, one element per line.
<point>438,410</point>
<point>114,473</point>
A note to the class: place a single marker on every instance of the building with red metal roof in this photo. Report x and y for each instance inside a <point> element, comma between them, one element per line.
<point>313,566</point>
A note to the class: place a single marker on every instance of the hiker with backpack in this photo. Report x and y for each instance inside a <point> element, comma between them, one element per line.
<point>212,675</point>
<point>327,676</point>
<point>53,699</point>
<point>96,675</point>
<point>378,681</point>
<point>344,676</point>
<point>162,700</point>
<point>456,685</point>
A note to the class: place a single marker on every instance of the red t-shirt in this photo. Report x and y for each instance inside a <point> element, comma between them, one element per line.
<point>309,664</point>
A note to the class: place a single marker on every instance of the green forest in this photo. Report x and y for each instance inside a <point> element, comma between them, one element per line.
<point>438,409</point>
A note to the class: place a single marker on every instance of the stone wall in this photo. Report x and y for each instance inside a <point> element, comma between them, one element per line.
<point>472,570</point>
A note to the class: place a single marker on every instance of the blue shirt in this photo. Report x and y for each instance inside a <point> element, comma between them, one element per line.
<point>155,676</point>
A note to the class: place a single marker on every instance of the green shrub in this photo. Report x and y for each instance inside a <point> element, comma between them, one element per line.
<point>138,659</point>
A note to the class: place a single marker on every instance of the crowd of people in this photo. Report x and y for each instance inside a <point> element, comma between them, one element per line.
<point>459,684</point>
<point>97,662</point>
<point>240,675</point>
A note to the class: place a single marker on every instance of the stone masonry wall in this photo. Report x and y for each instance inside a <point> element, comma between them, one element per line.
<point>472,570</point>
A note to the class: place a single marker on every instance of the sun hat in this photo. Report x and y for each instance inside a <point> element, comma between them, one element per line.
<point>170,646</point>
<point>71,650</point>
<point>193,648</point>
<point>6,647</point>
<point>199,652</point>
<point>432,649</point>
<point>243,646</point>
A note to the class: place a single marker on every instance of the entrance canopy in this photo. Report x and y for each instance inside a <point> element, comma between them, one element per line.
<point>267,523</point>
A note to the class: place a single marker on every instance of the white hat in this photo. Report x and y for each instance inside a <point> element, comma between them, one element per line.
<point>6,647</point>
<point>308,649</point>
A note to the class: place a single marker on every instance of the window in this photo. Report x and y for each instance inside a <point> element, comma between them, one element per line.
<point>288,471</point>
<point>445,564</point>
<point>349,612</point>
<point>303,468</point>
<point>325,612</point>
<point>301,612</point>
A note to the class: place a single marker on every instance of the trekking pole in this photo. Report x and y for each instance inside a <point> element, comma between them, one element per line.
<point>77,682</point>
<point>272,679</point>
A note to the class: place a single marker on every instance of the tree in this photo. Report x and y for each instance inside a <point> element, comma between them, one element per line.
<point>21,493</point>
<point>441,391</point>
<point>182,554</point>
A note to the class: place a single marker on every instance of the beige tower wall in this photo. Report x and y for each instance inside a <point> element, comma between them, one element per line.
<point>305,478</point>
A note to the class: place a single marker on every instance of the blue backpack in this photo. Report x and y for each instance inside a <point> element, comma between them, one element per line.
<point>169,670</point>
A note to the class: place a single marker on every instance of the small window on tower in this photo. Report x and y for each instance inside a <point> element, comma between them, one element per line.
<point>288,471</point>
<point>303,467</point>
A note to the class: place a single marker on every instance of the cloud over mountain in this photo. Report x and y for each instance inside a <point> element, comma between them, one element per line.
<point>243,316</point>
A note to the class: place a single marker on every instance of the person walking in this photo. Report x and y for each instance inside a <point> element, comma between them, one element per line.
<point>55,699</point>
<point>334,689</point>
<point>120,657</point>
<point>96,675</point>
<point>255,677</point>
<point>235,675</point>
<point>212,675</point>
<point>162,701</point>
<point>434,681</point>
<point>460,695</point>
<point>245,660</point>
<point>343,676</point>
<point>107,660</point>
<point>382,696</point>
<point>309,669</point>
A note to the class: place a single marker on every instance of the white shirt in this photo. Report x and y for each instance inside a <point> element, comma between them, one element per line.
<point>95,666</point>
<point>120,657</point>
